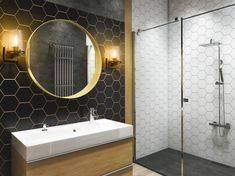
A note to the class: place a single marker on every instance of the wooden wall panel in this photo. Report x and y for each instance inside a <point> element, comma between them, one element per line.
<point>129,109</point>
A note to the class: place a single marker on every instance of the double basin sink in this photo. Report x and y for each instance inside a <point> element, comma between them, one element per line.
<point>38,144</point>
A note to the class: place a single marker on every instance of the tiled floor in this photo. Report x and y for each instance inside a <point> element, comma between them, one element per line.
<point>168,162</point>
<point>142,171</point>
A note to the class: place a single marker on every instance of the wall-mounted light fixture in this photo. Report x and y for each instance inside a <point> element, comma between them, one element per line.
<point>12,45</point>
<point>112,57</point>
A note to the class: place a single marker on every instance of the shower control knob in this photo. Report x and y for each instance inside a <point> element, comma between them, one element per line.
<point>186,100</point>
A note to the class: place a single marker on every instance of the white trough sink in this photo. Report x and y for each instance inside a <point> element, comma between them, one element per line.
<point>34,145</point>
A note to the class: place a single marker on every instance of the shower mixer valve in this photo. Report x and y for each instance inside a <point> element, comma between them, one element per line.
<point>226,126</point>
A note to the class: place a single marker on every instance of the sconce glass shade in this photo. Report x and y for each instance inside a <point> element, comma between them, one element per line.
<point>112,55</point>
<point>12,44</point>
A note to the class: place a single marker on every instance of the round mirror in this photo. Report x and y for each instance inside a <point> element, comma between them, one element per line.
<point>63,59</point>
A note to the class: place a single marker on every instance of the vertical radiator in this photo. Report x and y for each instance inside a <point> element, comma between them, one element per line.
<point>63,56</point>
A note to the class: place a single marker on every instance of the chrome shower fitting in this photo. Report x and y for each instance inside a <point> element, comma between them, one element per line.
<point>222,118</point>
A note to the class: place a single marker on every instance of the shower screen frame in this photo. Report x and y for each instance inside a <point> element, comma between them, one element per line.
<point>183,99</point>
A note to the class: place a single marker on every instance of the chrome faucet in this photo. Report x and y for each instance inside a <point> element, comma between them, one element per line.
<point>93,114</point>
<point>44,127</point>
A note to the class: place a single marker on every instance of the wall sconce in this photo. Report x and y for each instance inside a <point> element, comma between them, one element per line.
<point>112,57</point>
<point>12,45</point>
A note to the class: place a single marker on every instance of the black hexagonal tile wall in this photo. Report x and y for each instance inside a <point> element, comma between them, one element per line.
<point>51,120</point>
<point>23,79</point>
<point>9,83</point>
<point>92,19</point>
<point>108,34</point>
<point>73,106</point>
<point>116,31</point>
<point>62,102</point>
<point>108,23</point>
<point>100,38</point>
<point>50,108</point>
<point>5,169</point>
<point>73,14</point>
<point>24,17</point>
<point>9,22</point>
<point>6,136</point>
<point>26,31</point>
<point>38,116</point>
<point>100,86</point>
<point>108,91</point>
<point>108,80</point>
<point>100,27</point>
<point>92,93</point>
<point>108,114</point>
<point>116,86</point>
<point>24,95</point>
<point>108,102</point>
<point>92,103</point>
<point>48,18</point>
<point>9,103</point>
<point>24,4</point>
<point>73,118</point>
<point>1,79</point>
<point>38,101</point>
<point>6,152</point>
<point>38,2</point>
<point>24,110</point>
<point>24,124</point>
<point>83,22</point>
<point>83,13</point>
<point>9,119</point>
<point>9,71</point>
<point>100,98</point>
<point>116,97</point>
<point>9,7</point>
<point>25,106</point>
<point>92,30</point>
<point>38,13</point>
<point>35,89</point>
<point>1,112</point>
<point>116,108</point>
<point>61,15</point>
<point>62,8</point>
<point>1,13</point>
<point>62,113</point>
<point>50,9</point>
<point>34,25</point>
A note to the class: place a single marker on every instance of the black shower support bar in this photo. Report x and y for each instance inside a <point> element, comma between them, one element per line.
<point>209,11</point>
<point>165,24</point>
<point>185,18</point>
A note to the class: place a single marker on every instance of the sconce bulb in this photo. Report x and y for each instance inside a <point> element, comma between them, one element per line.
<point>114,54</point>
<point>15,41</point>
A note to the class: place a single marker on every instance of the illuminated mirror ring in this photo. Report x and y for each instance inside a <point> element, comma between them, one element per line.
<point>63,59</point>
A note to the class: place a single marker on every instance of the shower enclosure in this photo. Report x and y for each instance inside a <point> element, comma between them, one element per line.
<point>185,95</point>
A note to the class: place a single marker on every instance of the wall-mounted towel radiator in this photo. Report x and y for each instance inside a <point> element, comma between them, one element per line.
<point>63,56</point>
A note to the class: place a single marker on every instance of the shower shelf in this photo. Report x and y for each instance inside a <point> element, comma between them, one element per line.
<point>226,126</point>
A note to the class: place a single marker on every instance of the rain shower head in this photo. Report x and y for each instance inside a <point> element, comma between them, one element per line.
<point>212,43</point>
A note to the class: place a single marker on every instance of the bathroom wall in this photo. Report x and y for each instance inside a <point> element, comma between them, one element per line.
<point>23,105</point>
<point>151,77</point>
<point>112,8</point>
<point>200,74</point>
